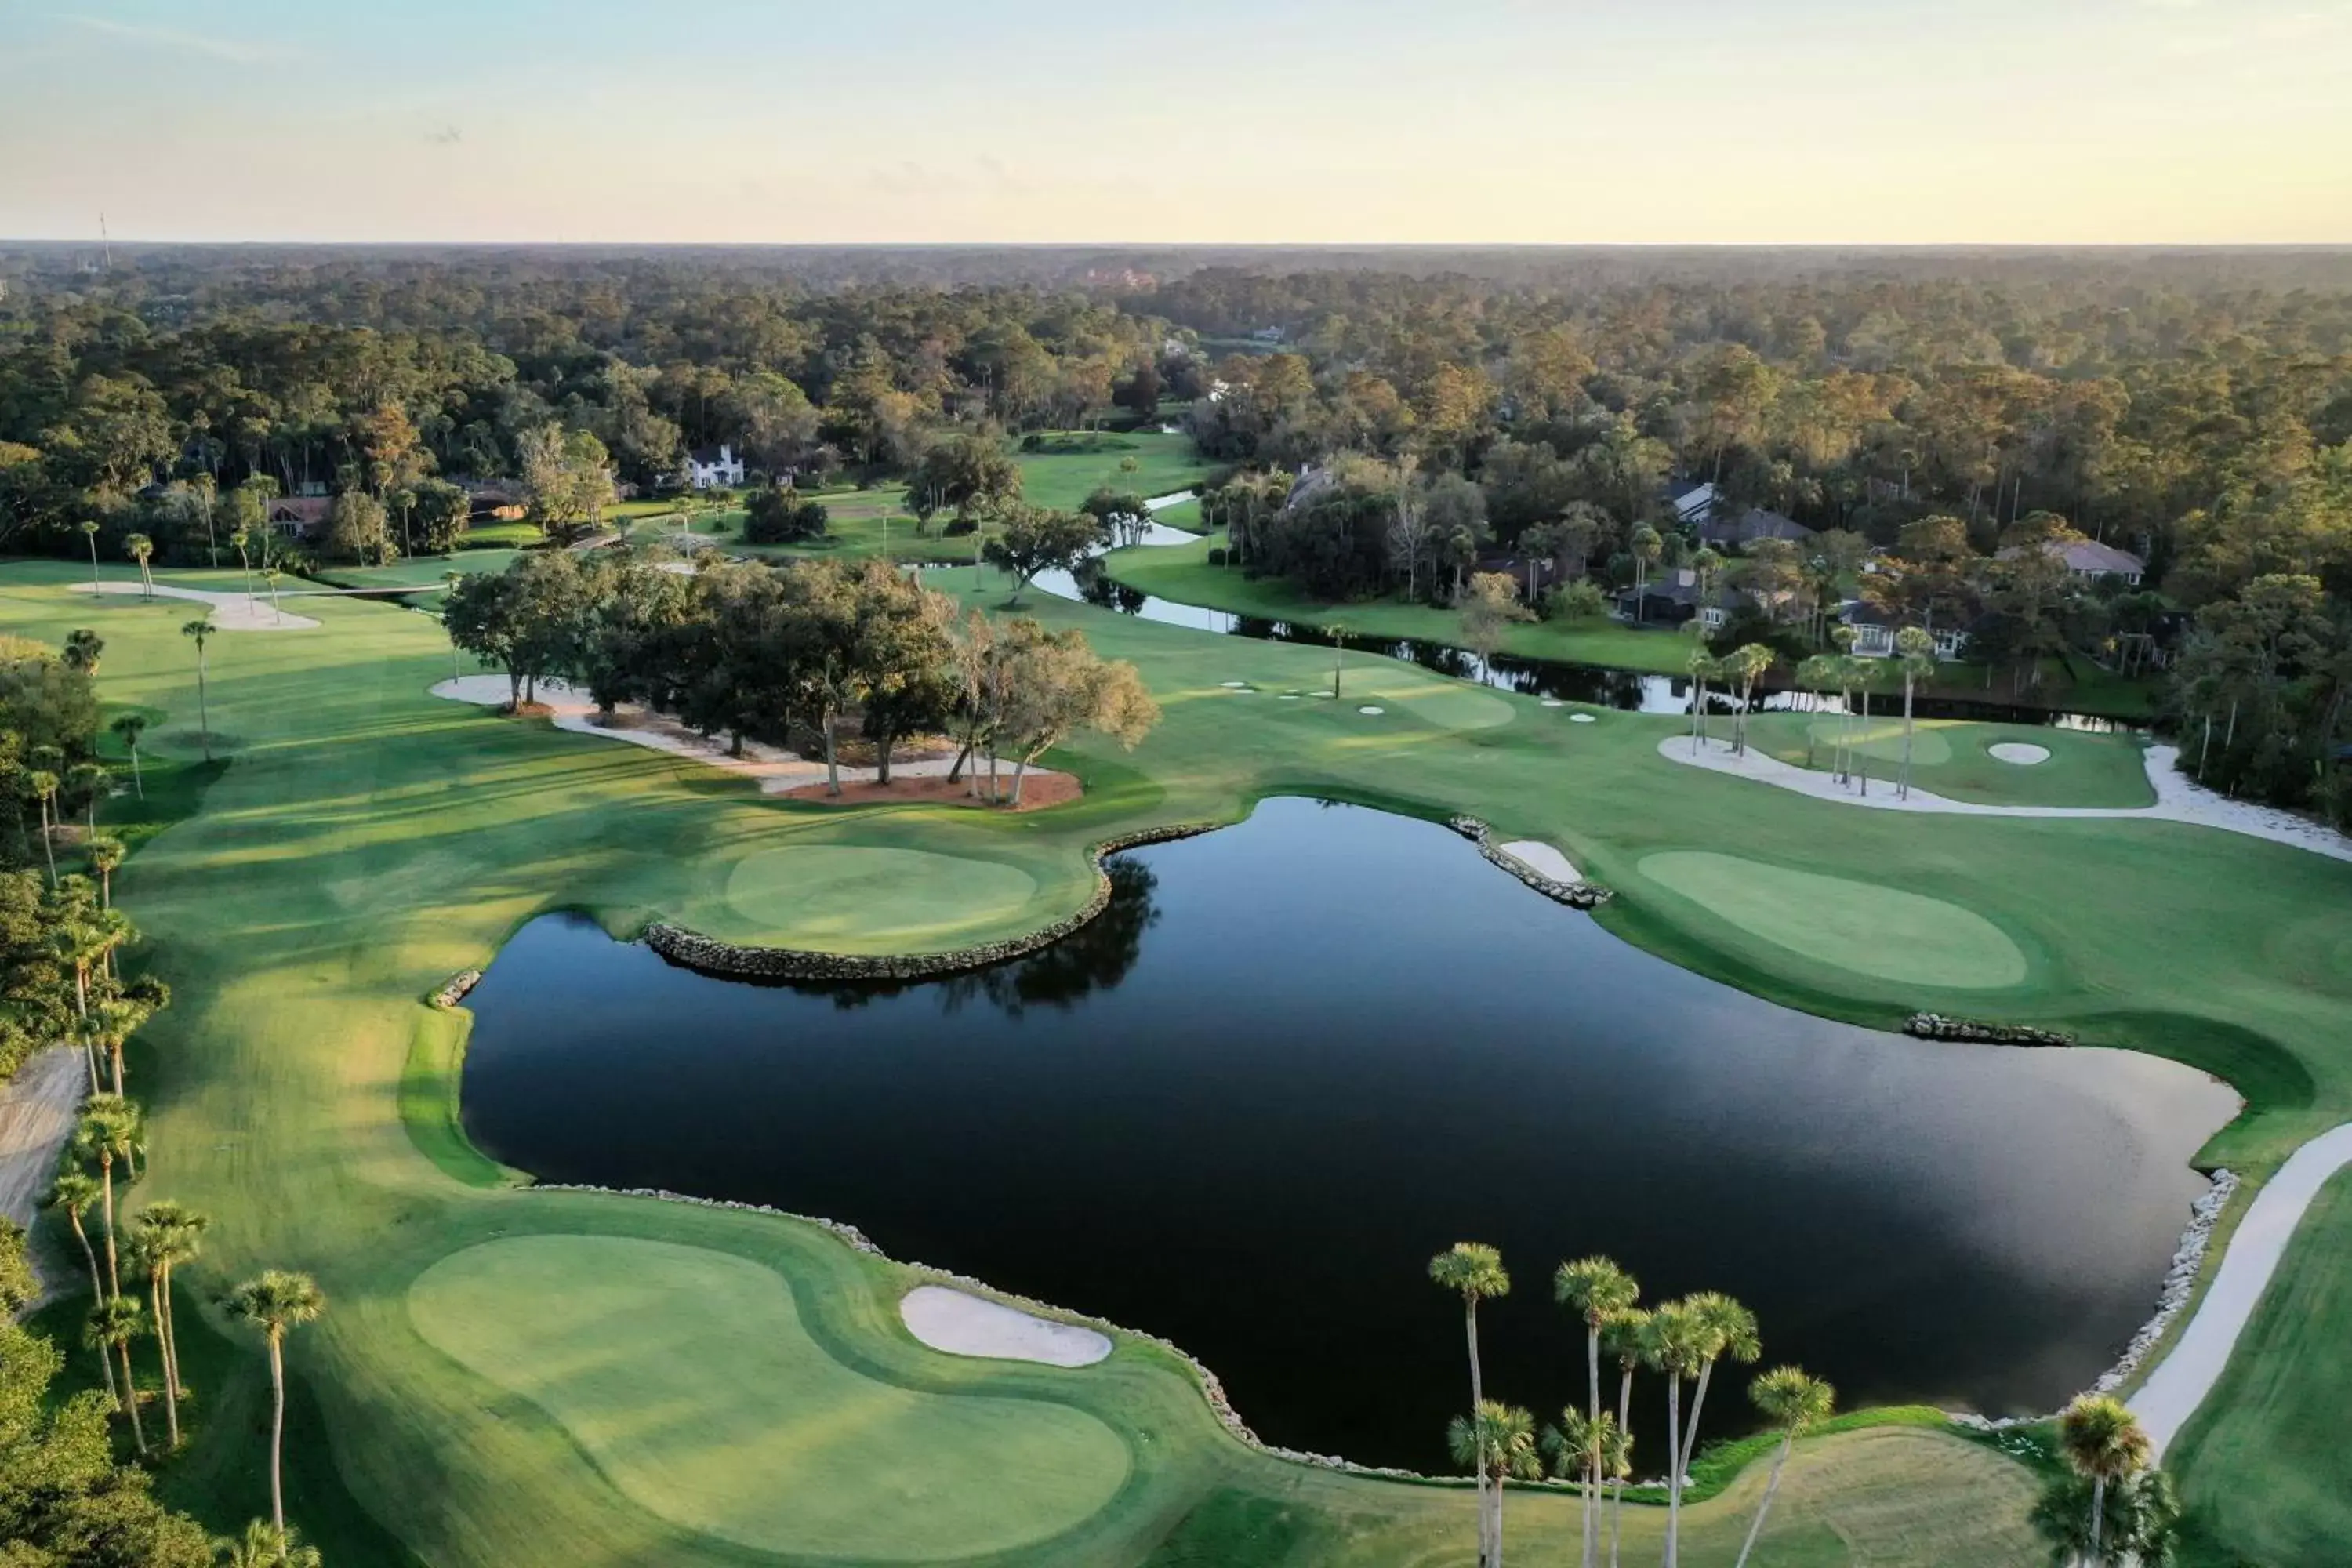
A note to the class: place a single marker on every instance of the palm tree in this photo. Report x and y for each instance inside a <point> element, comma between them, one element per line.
<point>74,1190</point>
<point>169,1234</point>
<point>200,630</point>
<point>105,859</point>
<point>1675,1341</point>
<point>1791,1399</point>
<point>1339,655</point>
<point>2102,1442</point>
<point>1499,1442</point>
<point>87,780</point>
<point>1647,547</point>
<point>90,531</point>
<point>129,727</point>
<point>1598,1289</point>
<point>109,1129</point>
<point>264,1545</point>
<point>114,1324</point>
<point>275,1302</point>
<point>43,785</point>
<point>1704,666</point>
<point>245,564</point>
<point>1476,1271</point>
<point>1583,1447</point>
<point>1916,649</point>
<point>1625,1335</point>
<point>84,649</point>
<point>271,575</point>
<point>141,549</point>
<point>112,1020</point>
<point>1746,665</point>
<point>1730,1332</point>
<point>1817,675</point>
<point>2138,1522</point>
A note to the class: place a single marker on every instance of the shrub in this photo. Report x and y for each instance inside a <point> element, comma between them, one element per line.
<point>779,516</point>
<point>1217,555</point>
<point>1581,600</point>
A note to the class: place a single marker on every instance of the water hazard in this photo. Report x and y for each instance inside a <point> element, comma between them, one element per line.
<point>1299,1056</point>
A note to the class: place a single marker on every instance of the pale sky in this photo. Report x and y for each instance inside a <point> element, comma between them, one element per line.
<point>1595,122</point>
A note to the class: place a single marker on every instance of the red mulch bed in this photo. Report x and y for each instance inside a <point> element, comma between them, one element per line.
<point>1039,790</point>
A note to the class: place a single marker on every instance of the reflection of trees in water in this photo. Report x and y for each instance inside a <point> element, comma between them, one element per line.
<point>1095,957</point>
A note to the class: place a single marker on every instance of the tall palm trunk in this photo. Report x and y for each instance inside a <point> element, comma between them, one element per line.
<point>1698,714</point>
<point>156,1287</point>
<point>1698,1399</point>
<point>96,1291</point>
<point>204,711</point>
<point>106,1185</point>
<point>48,844</point>
<point>130,1398</point>
<point>277,1430</point>
<point>1617,1506</point>
<point>2099,1512</point>
<point>170,1335</point>
<point>1673,1470</point>
<point>1592,1457</point>
<point>1788,1441</point>
<point>1497,1560</point>
<point>1903,789</point>
<point>1477,1402</point>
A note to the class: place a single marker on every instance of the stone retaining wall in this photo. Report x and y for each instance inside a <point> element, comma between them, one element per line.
<point>1936,1027</point>
<point>708,955</point>
<point>1575,895</point>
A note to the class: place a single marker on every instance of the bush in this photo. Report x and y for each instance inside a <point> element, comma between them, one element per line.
<point>1581,600</point>
<point>1217,555</point>
<point>779,516</point>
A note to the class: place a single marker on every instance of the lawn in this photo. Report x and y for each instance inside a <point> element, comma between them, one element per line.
<point>1069,465</point>
<point>1956,761</point>
<point>366,841</point>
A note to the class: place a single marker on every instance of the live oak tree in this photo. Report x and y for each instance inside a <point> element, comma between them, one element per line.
<point>1030,540</point>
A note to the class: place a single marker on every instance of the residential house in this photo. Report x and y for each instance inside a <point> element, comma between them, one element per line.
<point>299,516</point>
<point>2089,561</point>
<point>706,470</point>
<point>1720,527</point>
<point>1873,633</point>
<point>1691,504</point>
<point>1672,597</point>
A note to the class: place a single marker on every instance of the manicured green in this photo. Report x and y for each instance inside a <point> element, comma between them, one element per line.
<point>366,841</point>
<point>1955,760</point>
<point>1864,927</point>
<point>1071,465</point>
<point>2268,1474</point>
<point>687,1376</point>
<point>869,897</point>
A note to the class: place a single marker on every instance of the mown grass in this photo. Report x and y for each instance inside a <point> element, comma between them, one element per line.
<point>1955,760</point>
<point>367,841</point>
<point>1068,466</point>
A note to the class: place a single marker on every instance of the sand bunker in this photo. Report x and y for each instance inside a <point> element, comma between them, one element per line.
<point>2019,753</point>
<point>961,1324</point>
<point>1368,709</point>
<point>1580,719</point>
<point>231,612</point>
<point>1542,859</point>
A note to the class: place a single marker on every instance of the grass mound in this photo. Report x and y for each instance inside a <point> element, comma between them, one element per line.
<point>1858,926</point>
<point>688,1376</point>
<point>833,894</point>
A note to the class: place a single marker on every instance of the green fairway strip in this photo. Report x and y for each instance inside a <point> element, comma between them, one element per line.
<point>688,1376</point>
<point>832,893</point>
<point>1855,925</point>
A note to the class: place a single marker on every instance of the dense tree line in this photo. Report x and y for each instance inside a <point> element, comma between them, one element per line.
<point>793,654</point>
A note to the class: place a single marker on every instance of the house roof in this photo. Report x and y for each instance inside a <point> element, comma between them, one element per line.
<point>307,509</point>
<point>1751,525</point>
<point>2090,555</point>
<point>708,456</point>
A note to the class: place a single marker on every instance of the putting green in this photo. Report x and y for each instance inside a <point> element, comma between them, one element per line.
<point>689,1378</point>
<point>1856,926</point>
<point>1882,740</point>
<point>827,894</point>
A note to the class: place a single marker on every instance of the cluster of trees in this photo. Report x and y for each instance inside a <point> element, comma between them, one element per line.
<point>2113,1510</point>
<point>793,654</point>
<point>1681,1341</point>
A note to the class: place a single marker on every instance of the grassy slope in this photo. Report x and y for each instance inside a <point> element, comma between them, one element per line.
<point>370,841</point>
<point>1078,462</point>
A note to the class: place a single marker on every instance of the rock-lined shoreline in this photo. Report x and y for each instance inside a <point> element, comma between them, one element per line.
<point>455,989</point>
<point>1575,895</point>
<point>1936,1027</point>
<point>2172,1300</point>
<point>727,960</point>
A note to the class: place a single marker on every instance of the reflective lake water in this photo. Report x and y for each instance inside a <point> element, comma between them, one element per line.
<point>1299,1056</point>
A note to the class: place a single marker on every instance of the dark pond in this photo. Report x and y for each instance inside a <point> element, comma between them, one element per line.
<point>1299,1056</point>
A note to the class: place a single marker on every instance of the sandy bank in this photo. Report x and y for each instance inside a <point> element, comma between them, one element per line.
<point>231,612</point>
<point>962,1324</point>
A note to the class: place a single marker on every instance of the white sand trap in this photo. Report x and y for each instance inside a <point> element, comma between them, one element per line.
<point>1289,697</point>
<point>1541,858</point>
<point>231,612</point>
<point>1582,719</point>
<point>1555,703</point>
<point>2019,753</point>
<point>1375,712</point>
<point>961,1324</point>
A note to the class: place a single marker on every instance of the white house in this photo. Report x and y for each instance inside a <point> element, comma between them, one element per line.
<point>1874,634</point>
<point>708,469</point>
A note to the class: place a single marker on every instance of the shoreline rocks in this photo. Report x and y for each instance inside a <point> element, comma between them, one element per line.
<point>727,960</point>
<point>453,991</point>
<point>1575,895</point>
<point>1936,1027</point>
